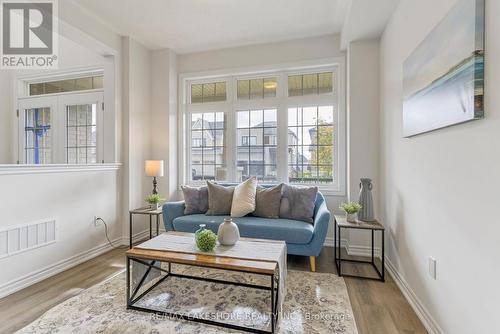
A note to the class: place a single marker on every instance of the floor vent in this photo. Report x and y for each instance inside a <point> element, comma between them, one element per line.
<point>21,238</point>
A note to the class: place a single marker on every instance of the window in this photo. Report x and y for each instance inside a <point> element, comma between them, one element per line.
<point>38,136</point>
<point>209,92</point>
<point>306,84</point>
<point>278,135</point>
<point>255,157</point>
<point>207,150</point>
<point>310,144</point>
<point>81,134</point>
<point>257,88</point>
<point>248,140</point>
<point>69,85</point>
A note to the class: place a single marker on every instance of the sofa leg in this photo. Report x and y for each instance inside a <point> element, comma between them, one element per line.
<point>312,263</point>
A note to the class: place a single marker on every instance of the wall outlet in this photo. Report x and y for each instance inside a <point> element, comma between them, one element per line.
<point>96,220</point>
<point>432,267</point>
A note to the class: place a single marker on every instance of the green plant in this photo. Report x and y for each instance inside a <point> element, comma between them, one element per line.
<point>351,207</point>
<point>153,199</point>
<point>206,240</point>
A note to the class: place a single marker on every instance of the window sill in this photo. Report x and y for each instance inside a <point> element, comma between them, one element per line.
<point>56,168</point>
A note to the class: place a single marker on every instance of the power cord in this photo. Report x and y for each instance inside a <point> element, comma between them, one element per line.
<point>106,233</point>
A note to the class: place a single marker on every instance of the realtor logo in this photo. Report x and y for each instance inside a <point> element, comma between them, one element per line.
<point>29,34</point>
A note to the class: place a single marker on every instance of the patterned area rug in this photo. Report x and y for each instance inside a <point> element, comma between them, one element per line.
<point>314,303</point>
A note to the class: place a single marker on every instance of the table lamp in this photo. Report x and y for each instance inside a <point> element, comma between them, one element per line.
<point>154,168</point>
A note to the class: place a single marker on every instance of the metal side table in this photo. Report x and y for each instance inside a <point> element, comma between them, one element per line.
<point>340,223</point>
<point>149,212</point>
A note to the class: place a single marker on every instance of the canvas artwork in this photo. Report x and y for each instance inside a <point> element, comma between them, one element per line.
<point>443,76</point>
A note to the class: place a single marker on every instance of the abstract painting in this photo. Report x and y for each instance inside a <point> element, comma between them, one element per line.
<point>443,76</point>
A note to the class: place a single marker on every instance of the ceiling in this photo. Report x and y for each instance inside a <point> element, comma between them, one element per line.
<point>197,25</point>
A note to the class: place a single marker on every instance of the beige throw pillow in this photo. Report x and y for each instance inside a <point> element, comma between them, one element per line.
<point>244,198</point>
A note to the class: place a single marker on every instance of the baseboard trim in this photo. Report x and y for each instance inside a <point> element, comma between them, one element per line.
<point>51,270</point>
<point>427,320</point>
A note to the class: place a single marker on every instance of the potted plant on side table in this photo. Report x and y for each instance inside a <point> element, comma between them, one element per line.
<point>154,201</point>
<point>351,211</point>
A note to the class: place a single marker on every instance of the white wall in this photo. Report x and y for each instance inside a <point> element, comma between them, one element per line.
<point>164,122</point>
<point>440,189</point>
<point>363,124</point>
<point>72,199</point>
<point>262,54</point>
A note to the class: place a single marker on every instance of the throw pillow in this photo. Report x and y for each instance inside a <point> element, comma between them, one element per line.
<point>298,203</point>
<point>244,198</point>
<point>267,202</point>
<point>220,199</point>
<point>195,200</point>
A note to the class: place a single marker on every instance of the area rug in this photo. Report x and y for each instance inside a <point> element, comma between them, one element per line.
<point>314,303</point>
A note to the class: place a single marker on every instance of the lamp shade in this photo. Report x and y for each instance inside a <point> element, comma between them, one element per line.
<point>154,167</point>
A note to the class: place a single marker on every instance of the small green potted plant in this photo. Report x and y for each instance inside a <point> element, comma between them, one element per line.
<point>351,211</point>
<point>154,201</point>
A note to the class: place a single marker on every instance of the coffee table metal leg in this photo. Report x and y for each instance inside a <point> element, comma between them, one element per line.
<point>130,230</point>
<point>128,282</point>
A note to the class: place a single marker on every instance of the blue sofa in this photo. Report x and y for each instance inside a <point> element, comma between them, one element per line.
<point>301,238</point>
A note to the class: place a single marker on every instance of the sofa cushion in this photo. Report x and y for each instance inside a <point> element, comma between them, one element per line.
<point>267,202</point>
<point>298,202</point>
<point>195,199</point>
<point>244,198</point>
<point>220,199</point>
<point>291,231</point>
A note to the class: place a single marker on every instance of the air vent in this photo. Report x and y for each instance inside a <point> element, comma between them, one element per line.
<point>21,238</point>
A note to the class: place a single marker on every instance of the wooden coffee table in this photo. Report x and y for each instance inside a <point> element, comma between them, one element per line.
<point>151,258</point>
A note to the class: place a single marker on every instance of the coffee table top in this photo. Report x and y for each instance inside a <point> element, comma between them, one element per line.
<point>181,250</point>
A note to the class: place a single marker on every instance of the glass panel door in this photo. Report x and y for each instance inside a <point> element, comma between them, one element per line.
<point>38,135</point>
<point>83,115</point>
<point>81,133</point>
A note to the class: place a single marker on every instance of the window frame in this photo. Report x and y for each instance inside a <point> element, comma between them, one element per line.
<point>281,102</point>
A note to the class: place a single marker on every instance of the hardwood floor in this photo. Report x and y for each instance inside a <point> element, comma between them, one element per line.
<point>379,308</point>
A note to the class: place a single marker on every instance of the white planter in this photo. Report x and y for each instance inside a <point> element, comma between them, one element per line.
<point>155,206</point>
<point>351,217</point>
<point>228,233</point>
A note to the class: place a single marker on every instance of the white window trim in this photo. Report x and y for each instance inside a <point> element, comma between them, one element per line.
<point>281,102</point>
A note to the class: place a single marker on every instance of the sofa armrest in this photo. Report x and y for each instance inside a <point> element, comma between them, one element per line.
<point>172,210</point>
<point>321,223</point>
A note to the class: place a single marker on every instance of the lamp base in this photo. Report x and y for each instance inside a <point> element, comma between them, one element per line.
<point>155,187</point>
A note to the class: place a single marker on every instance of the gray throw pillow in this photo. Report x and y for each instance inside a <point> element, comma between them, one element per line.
<point>267,202</point>
<point>220,199</point>
<point>195,200</point>
<point>298,202</point>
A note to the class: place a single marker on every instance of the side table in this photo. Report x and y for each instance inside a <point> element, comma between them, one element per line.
<point>340,223</point>
<point>145,211</point>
